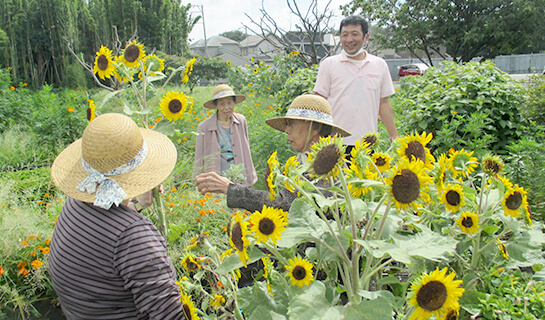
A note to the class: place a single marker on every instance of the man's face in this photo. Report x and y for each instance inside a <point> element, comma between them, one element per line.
<point>352,38</point>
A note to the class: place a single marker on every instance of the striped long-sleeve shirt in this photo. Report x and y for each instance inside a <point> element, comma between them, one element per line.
<point>111,264</point>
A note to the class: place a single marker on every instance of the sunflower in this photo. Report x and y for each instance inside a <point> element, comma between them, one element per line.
<point>267,265</point>
<point>359,189</point>
<point>190,311</point>
<point>382,161</point>
<point>218,301</point>
<point>273,171</point>
<point>360,146</point>
<point>132,54</point>
<point>371,138</point>
<point>514,200</point>
<point>120,73</point>
<point>290,171</point>
<point>238,239</point>
<point>453,313</point>
<point>104,65</point>
<point>453,197</point>
<point>268,224</point>
<point>256,70</point>
<point>506,182</point>
<point>188,69</point>
<point>326,158</point>
<point>461,163</point>
<point>300,271</point>
<point>468,222</point>
<point>91,110</point>
<point>173,105</point>
<point>414,148</point>
<point>152,65</point>
<point>492,164</point>
<point>441,172</point>
<point>435,294</point>
<point>407,183</point>
<point>190,264</point>
<point>503,249</point>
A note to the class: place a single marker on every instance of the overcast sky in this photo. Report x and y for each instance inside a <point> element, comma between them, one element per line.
<point>228,15</point>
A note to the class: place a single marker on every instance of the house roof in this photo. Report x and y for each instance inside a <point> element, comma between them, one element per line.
<point>215,41</point>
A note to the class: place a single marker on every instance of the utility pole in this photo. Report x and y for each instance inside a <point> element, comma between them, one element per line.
<point>203,29</point>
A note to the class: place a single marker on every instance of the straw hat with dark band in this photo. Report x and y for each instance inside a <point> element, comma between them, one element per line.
<point>112,141</point>
<point>309,107</point>
<point>223,91</point>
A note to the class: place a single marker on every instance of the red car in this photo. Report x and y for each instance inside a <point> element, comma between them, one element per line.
<point>412,69</point>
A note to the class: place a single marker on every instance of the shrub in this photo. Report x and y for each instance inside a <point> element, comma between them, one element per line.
<point>534,104</point>
<point>472,106</point>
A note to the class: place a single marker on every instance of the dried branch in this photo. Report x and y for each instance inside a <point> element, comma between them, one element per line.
<point>311,28</point>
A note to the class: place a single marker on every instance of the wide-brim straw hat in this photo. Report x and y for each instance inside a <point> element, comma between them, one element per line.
<point>309,107</point>
<point>223,91</point>
<point>109,141</point>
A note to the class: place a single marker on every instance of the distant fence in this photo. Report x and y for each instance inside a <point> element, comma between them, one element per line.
<point>513,64</point>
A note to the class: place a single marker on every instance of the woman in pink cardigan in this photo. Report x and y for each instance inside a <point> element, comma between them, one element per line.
<point>223,137</point>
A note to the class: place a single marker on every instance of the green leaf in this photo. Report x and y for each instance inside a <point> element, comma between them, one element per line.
<point>490,229</point>
<point>176,231</point>
<point>233,262</point>
<point>167,128</point>
<point>426,245</point>
<point>308,302</point>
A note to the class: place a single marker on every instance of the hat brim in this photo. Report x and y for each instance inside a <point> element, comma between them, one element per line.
<point>280,123</point>
<point>67,171</point>
<point>238,99</point>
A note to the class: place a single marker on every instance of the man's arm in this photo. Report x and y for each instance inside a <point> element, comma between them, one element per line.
<point>386,112</point>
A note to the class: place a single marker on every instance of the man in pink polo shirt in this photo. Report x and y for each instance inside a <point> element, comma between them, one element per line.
<point>357,85</point>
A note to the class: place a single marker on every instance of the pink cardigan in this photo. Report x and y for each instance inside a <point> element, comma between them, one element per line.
<point>207,148</point>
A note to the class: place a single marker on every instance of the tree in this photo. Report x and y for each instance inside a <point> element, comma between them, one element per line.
<point>466,28</point>
<point>308,38</point>
<point>236,35</point>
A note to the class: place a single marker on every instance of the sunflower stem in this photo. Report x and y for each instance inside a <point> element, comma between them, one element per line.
<point>476,251</point>
<point>368,276</point>
<point>159,209</point>
<point>491,243</point>
<point>276,253</point>
<point>354,270</point>
<point>324,218</point>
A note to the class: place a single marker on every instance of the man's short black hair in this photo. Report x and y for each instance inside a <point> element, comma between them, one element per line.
<point>355,20</point>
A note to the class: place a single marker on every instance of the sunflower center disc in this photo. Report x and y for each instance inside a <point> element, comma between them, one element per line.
<point>416,149</point>
<point>266,226</point>
<point>326,159</point>
<point>89,114</point>
<point>175,106</point>
<point>102,62</point>
<point>236,236</point>
<point>453,198</point>
<point>372,139</point>
<point>380,162</point>
<point>132,52</point>
<point>192,266</point>
<point>432,295</point>
<point>406,187</point>
<point>492,166</point>
<point>187,311</point>
<point>514,201</point>
<point>467,222</point>
<point>299,273</point>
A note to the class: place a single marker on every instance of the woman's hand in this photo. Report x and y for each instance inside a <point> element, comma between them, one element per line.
<point>211,182</point>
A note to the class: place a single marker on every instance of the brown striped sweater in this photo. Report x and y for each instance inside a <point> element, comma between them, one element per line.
<point>111,264</point>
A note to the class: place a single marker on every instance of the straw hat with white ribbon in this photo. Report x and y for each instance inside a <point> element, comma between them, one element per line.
<point>114,160</point>
<point>222,91</point>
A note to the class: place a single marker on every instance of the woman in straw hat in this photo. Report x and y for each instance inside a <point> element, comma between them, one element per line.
<point>223,139</point>
<point>307,119</point>
<point>107,261</point>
